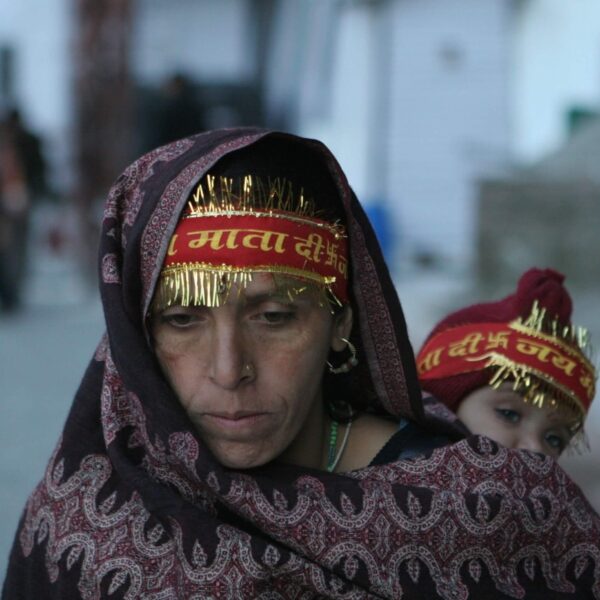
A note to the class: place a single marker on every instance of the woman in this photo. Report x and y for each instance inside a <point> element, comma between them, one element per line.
<point>202,456</point>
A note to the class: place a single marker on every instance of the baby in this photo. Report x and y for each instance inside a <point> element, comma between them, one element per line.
<point>514,370</point>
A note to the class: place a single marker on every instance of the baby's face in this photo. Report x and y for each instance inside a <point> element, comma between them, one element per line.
<point>503,415</point>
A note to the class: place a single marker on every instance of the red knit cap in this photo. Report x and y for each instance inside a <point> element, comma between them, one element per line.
<point>539,293</point>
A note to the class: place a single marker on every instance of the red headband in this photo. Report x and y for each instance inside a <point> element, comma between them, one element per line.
<point>228,238</point>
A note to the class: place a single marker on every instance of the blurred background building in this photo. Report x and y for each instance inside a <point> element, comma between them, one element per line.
<point>420,99</point>
<point>469,129</point>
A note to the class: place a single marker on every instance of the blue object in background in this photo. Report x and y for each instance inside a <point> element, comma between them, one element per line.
<point>382,224</point>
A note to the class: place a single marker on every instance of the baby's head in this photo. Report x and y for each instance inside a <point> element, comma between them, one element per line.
<point>514,370</point>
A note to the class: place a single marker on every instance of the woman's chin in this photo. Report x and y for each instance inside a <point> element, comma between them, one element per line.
<point>242,455</point>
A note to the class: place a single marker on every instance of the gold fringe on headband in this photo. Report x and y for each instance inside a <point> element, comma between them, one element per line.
<point>209,284</point>
<point>201,284</point>
<point>251,194</point>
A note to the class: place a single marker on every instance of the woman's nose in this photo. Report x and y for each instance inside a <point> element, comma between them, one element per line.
<point>230,364</point>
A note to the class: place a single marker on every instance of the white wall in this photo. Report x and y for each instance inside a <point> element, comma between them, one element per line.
<point>343,125</point>
<point>449,117</point>
<point>416,109</point>
<point>206,40</point>
<point>556,63</point>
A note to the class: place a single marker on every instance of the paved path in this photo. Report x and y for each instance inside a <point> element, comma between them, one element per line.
<point>44,350</point>
<point>43,354</point>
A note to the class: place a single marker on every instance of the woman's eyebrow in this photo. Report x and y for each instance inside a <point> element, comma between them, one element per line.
<point>267,296</point>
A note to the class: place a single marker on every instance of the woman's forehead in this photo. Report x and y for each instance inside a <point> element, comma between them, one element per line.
<point>263,284</point>
<point>269,286</point>
<point>259,285</point>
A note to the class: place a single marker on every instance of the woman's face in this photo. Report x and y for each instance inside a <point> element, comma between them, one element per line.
<point>249,372</point>
<point>504,416</point>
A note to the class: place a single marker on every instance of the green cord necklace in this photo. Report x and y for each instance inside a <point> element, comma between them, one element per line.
<point>332,458</point>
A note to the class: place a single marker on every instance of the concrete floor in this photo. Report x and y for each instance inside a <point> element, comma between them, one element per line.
<point>44,350</point>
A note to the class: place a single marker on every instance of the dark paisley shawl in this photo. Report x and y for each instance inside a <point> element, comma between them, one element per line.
<point>133,506</point>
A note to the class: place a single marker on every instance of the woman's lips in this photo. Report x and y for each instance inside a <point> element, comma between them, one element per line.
<point>236,422</point>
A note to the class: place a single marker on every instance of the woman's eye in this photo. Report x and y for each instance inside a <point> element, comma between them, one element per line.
<point>512,416</point>
<point>277,317</point>
<point>180,320</point>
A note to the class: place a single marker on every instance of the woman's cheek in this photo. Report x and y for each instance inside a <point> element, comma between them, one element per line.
<point>180,369</point>
<point>290,356</point>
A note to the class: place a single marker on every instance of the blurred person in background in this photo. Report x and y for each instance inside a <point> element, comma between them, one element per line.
<point>22,183</point>
<point>179,113</point>
<point>515,369</point>
<point>243,428</point>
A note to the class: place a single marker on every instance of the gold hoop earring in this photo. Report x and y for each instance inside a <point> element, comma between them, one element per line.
<point>349,364</point>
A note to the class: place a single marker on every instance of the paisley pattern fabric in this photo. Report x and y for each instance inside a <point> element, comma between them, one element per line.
<point>132,505</point>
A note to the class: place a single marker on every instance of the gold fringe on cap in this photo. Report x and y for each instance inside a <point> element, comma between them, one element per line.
<point>540,390</point>
<point>539,322</point>
<point>536,387</point>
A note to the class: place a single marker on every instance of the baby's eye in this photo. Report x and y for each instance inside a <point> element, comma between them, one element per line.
<point>507,414</point>
<point>555,441</point>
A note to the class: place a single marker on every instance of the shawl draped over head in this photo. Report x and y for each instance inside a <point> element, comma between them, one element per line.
<point>132,504</point>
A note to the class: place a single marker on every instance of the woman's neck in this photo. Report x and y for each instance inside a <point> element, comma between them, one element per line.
<point>311,445</point>
<point>310,449</point>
